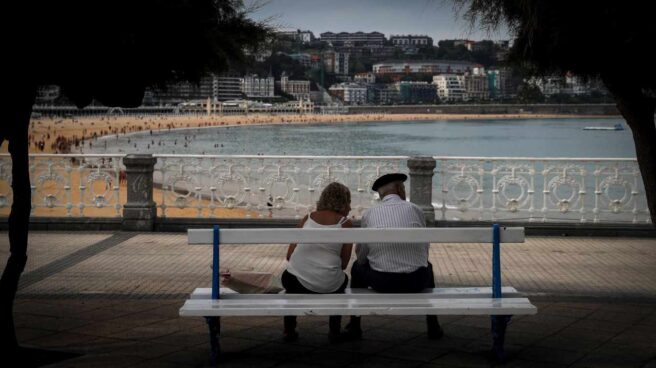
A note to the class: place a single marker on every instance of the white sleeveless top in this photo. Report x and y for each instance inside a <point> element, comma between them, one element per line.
<point>318,267</point>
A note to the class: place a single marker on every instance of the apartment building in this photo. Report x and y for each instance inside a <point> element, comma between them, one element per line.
<point>450,87</point>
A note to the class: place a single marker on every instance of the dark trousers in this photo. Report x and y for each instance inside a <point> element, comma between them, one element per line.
<point>363,276</point>
<point>293,286</point>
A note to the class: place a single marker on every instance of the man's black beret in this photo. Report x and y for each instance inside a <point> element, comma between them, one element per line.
<point>388,178</point>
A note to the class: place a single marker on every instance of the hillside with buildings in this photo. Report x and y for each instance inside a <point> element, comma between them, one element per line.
<point>369,68</point>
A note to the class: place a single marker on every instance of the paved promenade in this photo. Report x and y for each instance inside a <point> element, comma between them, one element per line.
<point>114,298</point>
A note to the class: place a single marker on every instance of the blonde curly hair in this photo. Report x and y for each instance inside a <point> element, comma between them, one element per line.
<point>335,197</point>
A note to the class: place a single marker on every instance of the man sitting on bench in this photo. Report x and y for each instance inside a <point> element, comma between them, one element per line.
<point>393,268</point>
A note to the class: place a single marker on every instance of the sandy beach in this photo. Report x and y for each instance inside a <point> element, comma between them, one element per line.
<point>60,135</point>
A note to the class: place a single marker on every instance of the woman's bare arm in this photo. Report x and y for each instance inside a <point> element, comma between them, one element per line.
<point>346,248</point>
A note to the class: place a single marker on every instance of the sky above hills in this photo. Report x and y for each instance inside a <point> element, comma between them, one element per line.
<point>435,18</point>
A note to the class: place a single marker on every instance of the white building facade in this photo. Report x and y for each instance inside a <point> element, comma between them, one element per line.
<point>423,67</point>
<point>336,62</point>
<point>353,38</point>
<point>367,77</point>
<point>253,86</point>
<point>477,85</point>
<point>298,88</point>
<point>411,40</point>
<point>341,63</point>
<point>350,93</point>
<point>450,87</point>
<point>297,35</point>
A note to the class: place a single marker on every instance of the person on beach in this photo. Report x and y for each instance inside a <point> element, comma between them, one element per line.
<point>319,268</point>
<point>392,268</point>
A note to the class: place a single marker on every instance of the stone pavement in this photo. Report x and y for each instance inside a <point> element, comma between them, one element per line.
<point>114,298</point>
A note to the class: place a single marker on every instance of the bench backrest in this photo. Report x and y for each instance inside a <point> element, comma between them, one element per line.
<point>413,235</point>
<point>495,235</point>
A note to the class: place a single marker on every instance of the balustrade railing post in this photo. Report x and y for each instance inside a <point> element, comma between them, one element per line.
<point>421,185</point>
<point>140,211</point>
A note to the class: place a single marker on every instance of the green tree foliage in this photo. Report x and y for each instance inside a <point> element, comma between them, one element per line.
<point>485,53</point>
<point>275,65</point>
<point>357,65</point>
<point>607,39</point>
<point>428,53</point>
<point>447,50</point>
<point>108,52</point>
<point>111,52</point>
<point>528,93</point>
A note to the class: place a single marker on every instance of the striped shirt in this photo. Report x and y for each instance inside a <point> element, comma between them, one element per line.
<point>393,212</point>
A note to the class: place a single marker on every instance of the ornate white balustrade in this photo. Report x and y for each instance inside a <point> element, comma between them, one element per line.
<point>463,188</point>
<point>263,186</point>
<point>539,189</point>
<point>68,185</point>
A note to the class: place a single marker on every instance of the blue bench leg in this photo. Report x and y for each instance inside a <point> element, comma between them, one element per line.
<point>214,324</point>
<point>499,324</point>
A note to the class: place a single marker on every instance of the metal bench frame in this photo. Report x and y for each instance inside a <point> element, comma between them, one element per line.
<point>201,303</point>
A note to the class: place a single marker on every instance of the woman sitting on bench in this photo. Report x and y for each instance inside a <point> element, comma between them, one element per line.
<point>319,268</point>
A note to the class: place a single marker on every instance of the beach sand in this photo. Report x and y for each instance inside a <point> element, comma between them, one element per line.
<point>46,130</point>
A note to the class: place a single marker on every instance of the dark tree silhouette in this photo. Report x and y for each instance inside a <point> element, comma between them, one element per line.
<point>607,39</point>
<point>108,51</point>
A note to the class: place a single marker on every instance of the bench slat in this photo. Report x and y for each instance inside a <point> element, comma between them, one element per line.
<point>418,235</point>
<point>469,292</point>
<point>356,306</point>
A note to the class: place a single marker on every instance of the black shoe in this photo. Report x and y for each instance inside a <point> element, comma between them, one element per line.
<point>352,333</point>
<point>290,336</point>
<point>435,333</point>
<point>337,337</point>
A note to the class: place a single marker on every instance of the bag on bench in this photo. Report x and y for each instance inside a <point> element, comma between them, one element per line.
<point>252,282</point>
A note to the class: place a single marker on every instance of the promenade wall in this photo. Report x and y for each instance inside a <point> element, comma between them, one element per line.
<point>569,109</point>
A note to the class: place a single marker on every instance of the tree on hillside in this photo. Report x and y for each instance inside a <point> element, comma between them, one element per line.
<point>485,53</point>
<point>274,66</point>
<point>447,50</point>
<point>108,52</point>
<point>561,36</point>
<point>529,94</point>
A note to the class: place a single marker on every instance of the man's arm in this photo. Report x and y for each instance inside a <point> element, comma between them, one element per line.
<point>345,254</point>
<point>420,217</point>
<point>362,250</point>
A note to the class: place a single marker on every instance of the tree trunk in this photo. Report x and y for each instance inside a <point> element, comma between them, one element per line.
<point>638,110</point>
<point>15,130</point>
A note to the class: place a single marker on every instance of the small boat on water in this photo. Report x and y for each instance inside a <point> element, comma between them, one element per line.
<point>616,127</point>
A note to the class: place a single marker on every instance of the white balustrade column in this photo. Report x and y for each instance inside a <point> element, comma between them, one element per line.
<point>140,210</point>
<point>421,185</point>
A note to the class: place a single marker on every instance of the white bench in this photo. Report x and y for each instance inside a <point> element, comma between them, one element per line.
<point>501,303</point>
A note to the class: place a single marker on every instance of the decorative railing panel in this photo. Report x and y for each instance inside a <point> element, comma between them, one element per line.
<point>69,185</point>
<point>464,188</point>
<point>539,189</point>
<point>263,186</point>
